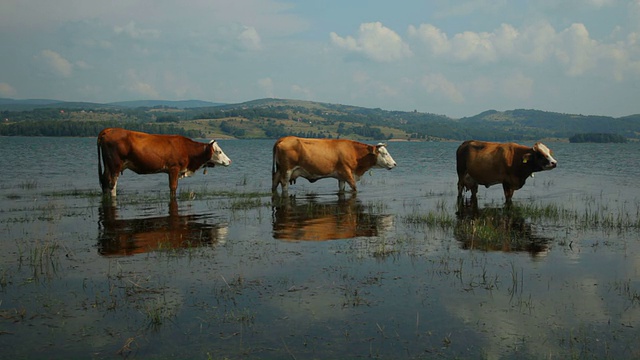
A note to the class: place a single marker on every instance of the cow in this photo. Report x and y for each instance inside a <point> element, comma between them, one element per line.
<point>489,163</point>
<point>143,153</point>
<point>314,159</point>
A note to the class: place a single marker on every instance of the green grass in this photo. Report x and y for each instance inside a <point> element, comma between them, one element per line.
<point>431,219</point>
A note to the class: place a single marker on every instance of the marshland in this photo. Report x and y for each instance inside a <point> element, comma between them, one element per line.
<point>397,270</point>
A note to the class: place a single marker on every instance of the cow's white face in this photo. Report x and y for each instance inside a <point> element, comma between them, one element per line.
<point>218,157</point>
<point>549,162</point>
<point>384,159</point>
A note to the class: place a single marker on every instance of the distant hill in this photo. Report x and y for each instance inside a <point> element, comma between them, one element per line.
<point>5,101</point>
<point>179,104</point>
<point>31,104</point>
<point>523,123</point>
<point>272,118</point>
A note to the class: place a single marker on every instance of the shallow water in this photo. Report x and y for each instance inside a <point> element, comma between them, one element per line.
<point>228,272</point>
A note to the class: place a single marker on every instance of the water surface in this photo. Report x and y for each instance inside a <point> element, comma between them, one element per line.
<point>228,272</point>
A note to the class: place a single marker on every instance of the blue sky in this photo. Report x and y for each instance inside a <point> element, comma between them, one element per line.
<point>456,58</point>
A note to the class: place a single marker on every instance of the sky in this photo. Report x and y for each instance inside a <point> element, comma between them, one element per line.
<point>450,57</point>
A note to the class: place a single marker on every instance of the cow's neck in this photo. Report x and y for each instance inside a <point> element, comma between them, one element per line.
<point>365,163</point>
<point>199,156</point>
<point>524,169</point>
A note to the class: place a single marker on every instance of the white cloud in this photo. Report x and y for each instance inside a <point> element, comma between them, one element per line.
<point>56,63</point>
<point>537,44</point>
<point>374,41</point>
<point>138,87</point>
<point>439,84</point>
<point>471,46</point>
<point>306,92</point>
<point>80,64</point>
<point>435,39</point>
<point>250,39</point>
<point>576,50</point>
<point>6,90</point>
<point>370,87</point>
<point>143,89</point>
<point>134,32</point>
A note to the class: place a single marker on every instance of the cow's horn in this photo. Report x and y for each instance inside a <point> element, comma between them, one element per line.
<point>212,142</point>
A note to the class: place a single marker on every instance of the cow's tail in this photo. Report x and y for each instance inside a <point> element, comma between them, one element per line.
<point>462,154</point>
<point>100,160</point>
<point>274,162</point>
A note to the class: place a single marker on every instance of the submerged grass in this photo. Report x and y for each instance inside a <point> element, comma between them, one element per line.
<point>247,204</point>
<point>81,193</point>
<point>28,184</point>
<point>204,193</point>
<point>591,217</point>
<point>515,227</point>
<point>431,219</point>
<point>42,259</point>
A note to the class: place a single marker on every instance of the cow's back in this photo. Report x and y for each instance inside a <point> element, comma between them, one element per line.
<point>317,155</point>
<point>146,150</point>
<point>487,162</point>
<point>123,141</point>
<point>110,136</point>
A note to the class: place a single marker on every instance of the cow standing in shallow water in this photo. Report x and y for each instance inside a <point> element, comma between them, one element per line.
<point>176,155</point>
<point>315,159</point>
<point>488,163</point>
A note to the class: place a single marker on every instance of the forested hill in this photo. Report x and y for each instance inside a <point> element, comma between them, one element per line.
<point>272,118</point>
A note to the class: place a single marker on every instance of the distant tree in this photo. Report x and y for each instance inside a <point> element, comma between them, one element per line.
<point>597,138</point>
<point>227,128</point>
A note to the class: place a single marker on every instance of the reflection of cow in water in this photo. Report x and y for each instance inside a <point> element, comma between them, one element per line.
<point>498,229</point>
<point>313,220</point>
<point>135,236</point>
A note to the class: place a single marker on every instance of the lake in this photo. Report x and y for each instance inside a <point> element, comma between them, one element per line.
<point>227,271</point>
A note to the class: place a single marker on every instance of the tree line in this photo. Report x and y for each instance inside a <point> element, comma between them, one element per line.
<point>597,138</point>
<point>88,128</point>
<point>269,118</point>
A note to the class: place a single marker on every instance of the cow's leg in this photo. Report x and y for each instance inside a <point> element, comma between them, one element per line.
<point>351,181</point>
<point>109,177</point>
<point>341,184</point>
<point>474,191</point>
<point>173,182</point>
<point>508,193</point>
<point>114,184</point>
<point>284,181</point>
<point>109,181</point>
<point>460,189</point>
<point>275,180</point>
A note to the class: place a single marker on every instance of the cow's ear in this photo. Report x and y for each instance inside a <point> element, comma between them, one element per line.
<point>536,146</point>
<point>526,157</point>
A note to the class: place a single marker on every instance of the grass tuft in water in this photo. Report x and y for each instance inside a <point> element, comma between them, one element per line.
<point>431,219</point>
